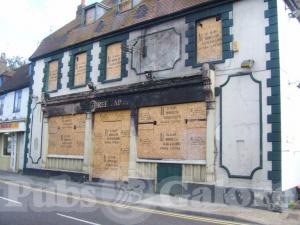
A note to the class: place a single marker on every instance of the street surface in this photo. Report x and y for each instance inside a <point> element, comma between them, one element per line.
<point>26,205</point>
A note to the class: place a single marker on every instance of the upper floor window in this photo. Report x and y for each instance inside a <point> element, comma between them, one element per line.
<point>124,5</point>
<point>2,104</point>
<point>113,61</point>
<point>80,69</point>
<point>209,40</point>
<point>17,101</point>
<point>52,76</point>
<point>90,16</point>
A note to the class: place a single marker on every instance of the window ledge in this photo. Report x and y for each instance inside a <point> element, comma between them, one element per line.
<point>65,156</point>
<point>190,162</point>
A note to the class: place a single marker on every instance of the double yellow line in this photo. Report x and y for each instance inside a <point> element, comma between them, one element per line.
<point>117,205</point>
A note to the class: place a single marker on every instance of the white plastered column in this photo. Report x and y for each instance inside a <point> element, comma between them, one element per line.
<point>132,146</point>
<point>210,131</point>
<point>88,145</point>
<point>45,141</point>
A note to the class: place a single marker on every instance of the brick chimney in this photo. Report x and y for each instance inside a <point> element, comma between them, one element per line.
<point>80,9</point>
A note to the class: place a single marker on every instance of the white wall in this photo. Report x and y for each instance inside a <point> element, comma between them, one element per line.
<point>8,113</point>
<point>36,117</point>
<point>249,30</point>
<point>289,44</point>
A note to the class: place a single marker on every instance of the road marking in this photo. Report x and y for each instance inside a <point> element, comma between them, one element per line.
<point>77,219</point>
<point>124,206</point>
<point>10,200</point>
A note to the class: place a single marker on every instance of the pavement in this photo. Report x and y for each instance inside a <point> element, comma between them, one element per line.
<point>33,200</point>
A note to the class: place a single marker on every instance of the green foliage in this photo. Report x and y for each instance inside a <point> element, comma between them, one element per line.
<point>13,62</point>
<point>294,205</point>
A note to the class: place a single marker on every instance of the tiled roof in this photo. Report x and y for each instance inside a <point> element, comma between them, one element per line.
<point>19,79</point>
<point>73,33</point>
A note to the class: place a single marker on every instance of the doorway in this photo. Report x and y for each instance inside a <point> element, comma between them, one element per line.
<point>169,179</point>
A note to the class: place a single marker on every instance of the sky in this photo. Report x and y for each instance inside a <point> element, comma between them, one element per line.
<point>25,23</point>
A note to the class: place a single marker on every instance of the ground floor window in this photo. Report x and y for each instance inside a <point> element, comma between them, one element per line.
<point>66,135</point>
<point>6,144</point>
<point>172,132</point>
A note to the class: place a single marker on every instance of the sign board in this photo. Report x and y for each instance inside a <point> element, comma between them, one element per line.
<point>209,40</point>
<point>52,76</point>
<point>113,61</point>
<point>80,69</point>
<point>66,135</point>
<point>13,125</point>
<point>111,145</point>
<point>172,132</point>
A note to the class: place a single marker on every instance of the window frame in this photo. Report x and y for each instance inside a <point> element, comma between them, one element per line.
<point>2,98</point>
<point>75,57</point>
<point>120,3</point>
<point>103,58</point>
<point>71,73</point>
<point>46,73</point>
<point>17,101</point>
<point>225,14</point>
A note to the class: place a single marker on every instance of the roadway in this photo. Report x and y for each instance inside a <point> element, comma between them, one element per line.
<point>27,205</point>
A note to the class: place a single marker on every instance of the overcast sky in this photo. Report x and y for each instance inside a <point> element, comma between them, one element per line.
<point>25,23</point>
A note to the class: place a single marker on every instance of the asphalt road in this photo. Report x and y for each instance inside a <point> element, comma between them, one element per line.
<point>34,206</point>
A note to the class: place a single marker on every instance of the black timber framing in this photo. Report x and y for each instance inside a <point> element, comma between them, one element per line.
<point>151,93</point>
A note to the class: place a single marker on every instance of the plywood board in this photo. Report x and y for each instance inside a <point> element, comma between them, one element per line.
<point>80,69</point>
<point>66,135</point>
<point>113,61</point>
<point>90,16</point>
<point>209,40</point>
<point>52,76</point>
<point>125,5</point>
<point>172,132</point>
<point>111,145</point>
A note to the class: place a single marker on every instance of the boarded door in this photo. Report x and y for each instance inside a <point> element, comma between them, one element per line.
<point>169,179</point>
<point>111,145</point>
<point>173,132</point>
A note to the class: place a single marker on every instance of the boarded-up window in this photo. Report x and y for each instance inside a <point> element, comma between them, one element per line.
<point>172,132</point>
<point>52,76</point>
<point>125,5</point>
<point>209,40</point>
<point>66,135</point>
<point>113,61</point>
<point>80,69</point>
<point>111,145</point>
<point>90,16</point>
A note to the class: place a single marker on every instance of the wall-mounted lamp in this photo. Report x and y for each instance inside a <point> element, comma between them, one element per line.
<point>149,75</point>
<point>34,97</point>
<point>247,64</point>
<point>91,86</point>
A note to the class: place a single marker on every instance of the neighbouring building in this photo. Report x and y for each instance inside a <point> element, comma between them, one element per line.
<point>14,93</point>
<point>201,93</point>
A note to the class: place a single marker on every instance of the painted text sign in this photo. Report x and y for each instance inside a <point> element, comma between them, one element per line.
<point>209,40</point>
<point>66,135</point>
<point>52,78</point>
<point>80,69</point>
<point>172,132</point>
<point>113,61</point>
